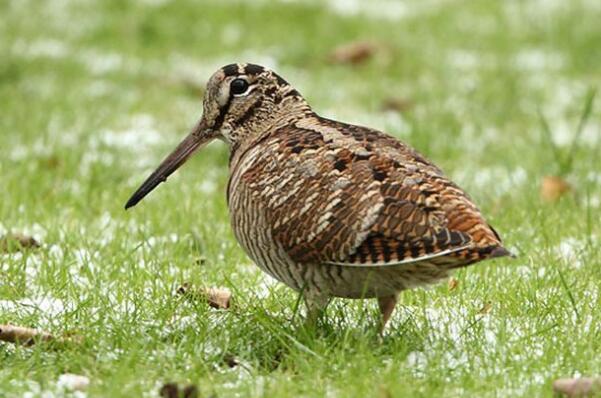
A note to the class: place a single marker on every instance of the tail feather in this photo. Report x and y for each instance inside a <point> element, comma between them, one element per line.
<point>476,254</point>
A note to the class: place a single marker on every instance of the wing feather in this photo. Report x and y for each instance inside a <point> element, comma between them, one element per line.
<point>352,196</point>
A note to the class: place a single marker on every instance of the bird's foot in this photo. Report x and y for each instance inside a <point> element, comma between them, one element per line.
<point>386,304</point>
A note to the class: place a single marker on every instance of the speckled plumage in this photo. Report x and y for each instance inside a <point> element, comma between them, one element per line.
<point>329,208</point>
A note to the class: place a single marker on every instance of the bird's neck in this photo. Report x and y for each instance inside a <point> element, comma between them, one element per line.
<point>257,129</point>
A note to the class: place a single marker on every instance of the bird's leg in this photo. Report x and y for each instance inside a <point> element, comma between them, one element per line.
<point>316,303</point>
<point>386,304</point>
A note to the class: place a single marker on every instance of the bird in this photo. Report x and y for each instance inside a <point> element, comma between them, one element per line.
<point>328,208</point>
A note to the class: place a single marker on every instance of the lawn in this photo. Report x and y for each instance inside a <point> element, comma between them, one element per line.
<point>94,94</point>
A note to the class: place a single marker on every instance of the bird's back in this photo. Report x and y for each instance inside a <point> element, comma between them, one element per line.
<point>334,193</point>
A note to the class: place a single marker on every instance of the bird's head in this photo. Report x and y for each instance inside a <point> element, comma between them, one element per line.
<point>239,99</point>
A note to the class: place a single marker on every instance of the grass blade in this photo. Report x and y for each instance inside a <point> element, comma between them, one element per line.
<point>569,293</point>
<point>549,137</point>
<point>584,117</point>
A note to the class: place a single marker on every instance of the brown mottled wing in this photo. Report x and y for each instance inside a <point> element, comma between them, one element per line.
<point>347,195</point>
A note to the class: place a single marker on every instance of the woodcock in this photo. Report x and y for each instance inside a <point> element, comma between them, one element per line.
<point>329,208</point>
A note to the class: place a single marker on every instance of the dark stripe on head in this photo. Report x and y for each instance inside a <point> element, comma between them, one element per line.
<point>222,112</point>
<point>230,70</point>
<point>252,69</point>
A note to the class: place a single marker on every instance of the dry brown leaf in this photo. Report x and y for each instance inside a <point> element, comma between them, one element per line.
<point>385,392</point>
<point>353,53</point>
<point>51,162</point>
<point>553,187</point>
<point>453,283</point>
<point>29,336</point>
<point>577,387</point>
<point>200,261</point>
<point>216,297</point>
<point>172,390</point>
<point>169,390</point>
<point>486,308</point>
<point>12,243</point>
<point>396,105</point>
<point>230,360</point>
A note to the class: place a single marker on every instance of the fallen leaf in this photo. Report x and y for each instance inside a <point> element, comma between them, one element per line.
<point>73,382</point>
<point>200,261</point>
<point>385,392</point>
<point>578,387</point>
<point>552,188</point>
<point>169,390</point>
<point>190,391</point>
<point>453,283</point>
<point>51,162</point>
<point>172,390</point>
<point>353,53</point>
<point>230,360</point>
<point>12,243</point>
<point>29,336</point>
<point>216,297</point>
<point>486,308</point>
<point>396,105</point>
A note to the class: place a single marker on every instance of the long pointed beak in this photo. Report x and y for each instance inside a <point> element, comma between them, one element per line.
<point>197,138</point>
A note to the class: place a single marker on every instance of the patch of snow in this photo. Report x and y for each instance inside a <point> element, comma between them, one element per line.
<point>48,307</point>
<point>231,34</point>
<point>539,9</point>
<point>46,47</point>
<point>594,202</point>
<point>207,186</point>
<point>241,376</point>
<point>493,179</point>
<point>386,9</point>
<point>533,60</point>
<point>570,249</point>
<point>141,133</point>
<point>35,390</point>
<point>56,252</point>
<point>469,60</point>
<point>417,361</point>
<point>155,3</point>
<point>39,148</point>
<point>99,88</point>
<point>72,382</point>
<point>265,285</point>
<point>99,62</point>
<point>563,133</point>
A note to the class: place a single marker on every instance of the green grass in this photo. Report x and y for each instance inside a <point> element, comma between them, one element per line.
<point>94,94</point>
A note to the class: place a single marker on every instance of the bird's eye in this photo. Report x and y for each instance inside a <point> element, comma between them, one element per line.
<point>238,86</point>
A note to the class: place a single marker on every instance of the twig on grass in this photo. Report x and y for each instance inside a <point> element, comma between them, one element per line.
<point>23,335</point>
<point>28,336</point>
